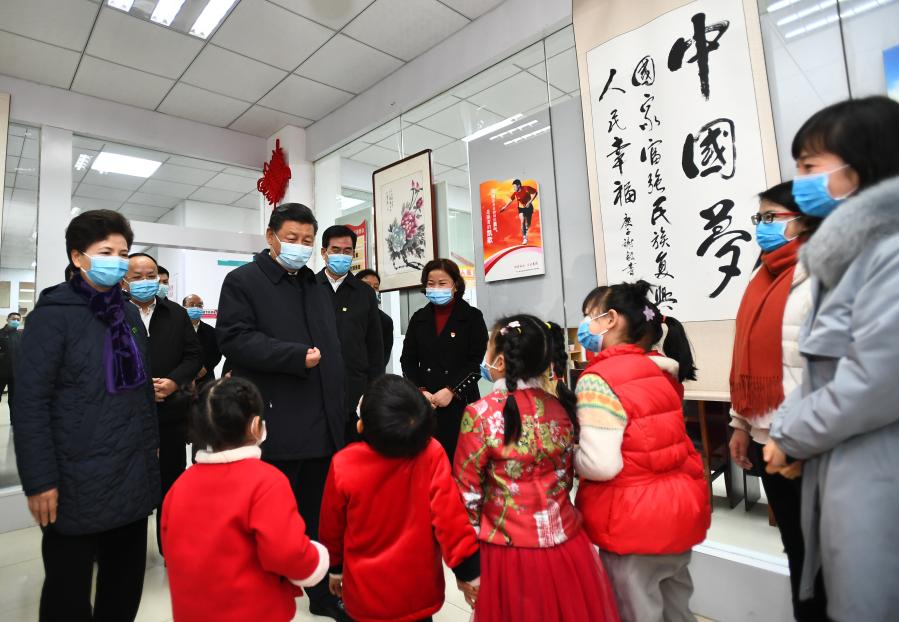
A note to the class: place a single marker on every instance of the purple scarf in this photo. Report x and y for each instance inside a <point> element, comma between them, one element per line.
<point>121,359</point>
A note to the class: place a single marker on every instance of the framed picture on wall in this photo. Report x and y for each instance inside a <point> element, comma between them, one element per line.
<point>405,233</point>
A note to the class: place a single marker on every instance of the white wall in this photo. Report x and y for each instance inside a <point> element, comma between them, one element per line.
<point>15,277</point>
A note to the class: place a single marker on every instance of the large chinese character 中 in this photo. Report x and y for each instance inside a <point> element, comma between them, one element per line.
<point>717,150</point>
<point>702,46</point>
<point>718,221</point>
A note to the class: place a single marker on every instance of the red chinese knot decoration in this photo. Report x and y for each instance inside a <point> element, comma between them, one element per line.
<point>275,175</point>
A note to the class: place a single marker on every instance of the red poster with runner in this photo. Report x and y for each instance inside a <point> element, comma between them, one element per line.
<point>360,255</point>
<point>511,229</point>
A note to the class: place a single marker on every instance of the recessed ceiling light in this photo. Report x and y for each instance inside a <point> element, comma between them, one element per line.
<point>492,128</point>
<point>34,235</point>
<point>82,162</point>
<point>165,11</point>
<point>122,5</point>
<point>76,211</point>
<point>210,17</point>
<point>34,264</point>
<point>124,165</point>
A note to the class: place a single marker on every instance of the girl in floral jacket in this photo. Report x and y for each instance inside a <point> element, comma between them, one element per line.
<point>513,464</point>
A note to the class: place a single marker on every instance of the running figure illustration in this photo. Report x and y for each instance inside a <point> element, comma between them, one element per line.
<point>524,196</point>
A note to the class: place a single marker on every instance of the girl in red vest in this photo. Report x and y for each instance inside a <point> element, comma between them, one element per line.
<point>513,464</point>
<point>643,492</point>
<point>231,530</point>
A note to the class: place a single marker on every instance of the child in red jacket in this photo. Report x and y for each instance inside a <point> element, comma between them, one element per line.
<point>235,546</point>
<point>390,511</point>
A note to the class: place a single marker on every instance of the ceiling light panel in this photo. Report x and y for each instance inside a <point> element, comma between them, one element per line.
<point>124,165</point>
<point>211,17</point>
<point>121,5</point>
<point>165,11</point>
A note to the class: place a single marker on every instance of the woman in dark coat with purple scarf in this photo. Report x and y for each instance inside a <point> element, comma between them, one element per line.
<point>86,441</point>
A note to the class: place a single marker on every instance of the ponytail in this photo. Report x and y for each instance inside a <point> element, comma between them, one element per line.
<point>677,346</point>
<point>559,368</point>
<point>222,412</point>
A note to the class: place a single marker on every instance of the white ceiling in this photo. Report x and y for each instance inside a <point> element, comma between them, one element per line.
<point>516,85</point>
<point>176,180</point>
<point>270,63</point>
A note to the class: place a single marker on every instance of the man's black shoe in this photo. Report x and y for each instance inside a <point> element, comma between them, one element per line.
<point>330,608</point>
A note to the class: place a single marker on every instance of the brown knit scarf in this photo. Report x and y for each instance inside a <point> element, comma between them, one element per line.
<point>756,373</point>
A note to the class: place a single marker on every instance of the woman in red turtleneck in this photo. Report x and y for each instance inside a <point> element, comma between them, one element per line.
<point>444,346</point>
<point>767,364</point>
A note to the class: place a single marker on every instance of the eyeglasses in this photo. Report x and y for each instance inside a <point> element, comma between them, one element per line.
<point>769,217</point>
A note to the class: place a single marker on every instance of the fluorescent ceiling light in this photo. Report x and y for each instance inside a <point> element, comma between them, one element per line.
<point>82,162</point>
<point>349,202</point>
<point>542,130</point>
<point>820,6</point>
<point>511,131</point>
<point>124,165</point>
<point>210,17</point>
<point>845,13</point>
<point>122,5</point>
<point>23,290</point>
<point>492,128</point>
<point>34,264</point>
<point>165,11</point>
<point>782,4</point>
<point>74,211</point>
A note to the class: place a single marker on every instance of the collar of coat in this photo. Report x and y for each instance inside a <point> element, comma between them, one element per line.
<point>856,225</point>
<point>247,452</point>
<point>349,279</point>
<point>274,271</point>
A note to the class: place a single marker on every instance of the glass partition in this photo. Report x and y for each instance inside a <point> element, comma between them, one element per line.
<point>18,262</point>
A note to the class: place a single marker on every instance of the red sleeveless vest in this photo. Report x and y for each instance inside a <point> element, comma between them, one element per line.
<point>659,503</point>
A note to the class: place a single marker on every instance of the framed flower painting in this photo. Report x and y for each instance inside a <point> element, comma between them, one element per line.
<point>405,234</point>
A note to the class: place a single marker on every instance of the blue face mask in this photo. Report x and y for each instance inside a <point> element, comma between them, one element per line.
<point>812,195</point>
<point>439,296</point>
<point>106,270</point>
<point>772,235</point>
<point>294,256</point>
<point>14,324</point>
<point>194,313</point>
<point>163,290</point>
<point>144,291</point>
<point>485,370</point>
<point>339,264</point>
<point>590,341</point>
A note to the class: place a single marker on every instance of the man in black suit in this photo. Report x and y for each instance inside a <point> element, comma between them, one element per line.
<point>276,328</point>
<point>208,341</point>
<point>358,323</point>
<point>373,280</point>
<point>175,360</point>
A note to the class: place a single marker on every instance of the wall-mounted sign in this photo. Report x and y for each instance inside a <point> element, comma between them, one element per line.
<point>679,159</point>
<point>360,253</point>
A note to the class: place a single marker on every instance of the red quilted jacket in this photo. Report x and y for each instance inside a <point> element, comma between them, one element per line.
<point>659,503</point>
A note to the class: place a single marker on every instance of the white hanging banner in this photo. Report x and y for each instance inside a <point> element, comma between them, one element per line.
<point>679,157</point>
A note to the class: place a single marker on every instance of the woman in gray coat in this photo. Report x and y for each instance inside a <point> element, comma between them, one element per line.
<point>844,421</point>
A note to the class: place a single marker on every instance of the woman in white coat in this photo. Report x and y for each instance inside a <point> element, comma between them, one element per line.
<point>844,421</point>
<point>767,365</point>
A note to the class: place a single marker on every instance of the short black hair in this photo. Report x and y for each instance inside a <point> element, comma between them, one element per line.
<point>95,226</point>
<point>222,413</point>
<point>451,268</point>
<point>363,274</point>
<point>9,317</point>
<point>292,211</point>
<point>782,194</point>
<point>162,270</point>
<point>397,420</point>
<point>150,257</point>
<point>517,182</point>
<point>862,132</point>
<point>338,231</point>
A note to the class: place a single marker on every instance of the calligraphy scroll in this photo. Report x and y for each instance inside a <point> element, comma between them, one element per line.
<point>678,155</point>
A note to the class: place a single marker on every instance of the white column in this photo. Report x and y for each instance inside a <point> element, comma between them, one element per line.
<point>300,186</point>
<point>54,205</point>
